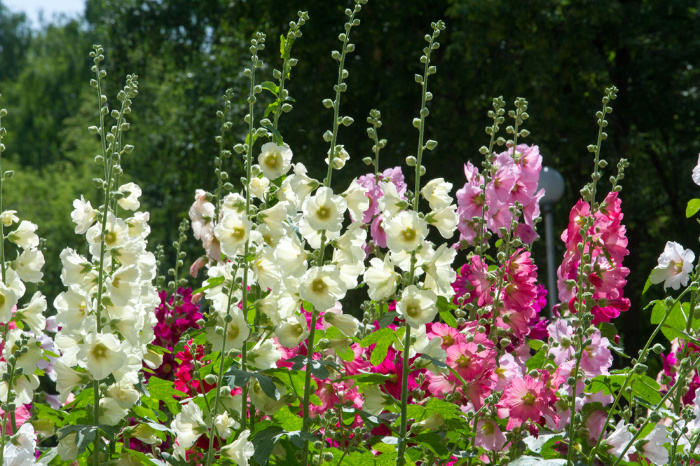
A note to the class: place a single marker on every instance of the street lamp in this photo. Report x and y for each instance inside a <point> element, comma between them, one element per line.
<point>553,184</point>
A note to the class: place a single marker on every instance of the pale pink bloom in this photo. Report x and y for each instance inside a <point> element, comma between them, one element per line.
<point>499,216</point>
<point>377,231</point>
<point>618,440</point>
<point>506,371</point>
<point>197,265</point>
<point>675,263</point>
<point>596,357</point>
<point>489,436</point>
<point>470,202</point>
<point>467,360</point>
<point>501,185</point>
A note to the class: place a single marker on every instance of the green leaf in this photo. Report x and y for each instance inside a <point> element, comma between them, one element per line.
<point>283,41</point>
<point>537,361</point>
<point>211,283</point>
<point>165,391</point>
<point>433,441</point>
<point>270,86</point>
<point>84,435</point>
<point>674,325</point>
<point>383,338</point>
<point>445,309</point>
<point>535,344</point>
<point>288,420</point>
<point>268,386</point>
<point>264,441</point>
<point>646,388</point>
<point>692,208</point>
<point>647,284</point>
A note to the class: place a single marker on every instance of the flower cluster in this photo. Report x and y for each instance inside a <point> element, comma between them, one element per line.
<point>509,186</point>
<point>605,245</point>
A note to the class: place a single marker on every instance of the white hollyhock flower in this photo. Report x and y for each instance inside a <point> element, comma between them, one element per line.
<point>417,307</point>
<point>28,265</point>
<point>339,157</point>
<point>24,235</point>
<point>111,412</point>
<point>72,306</point>
<point>124,285</point>
<point>8,300</point>
<point>381,278</point>
<point>313,236</point>
<point>275,160</point>
<point>358,202</point>
<point>436,192</point>
<point>67,448</point>
<point>295,188</point>
<point>83,215</point>
<point>264,355</point>
<point>266,270</point>
<point>240,451</point>
<point>235,202</point>
<point>145,433</point>
<point>20,450</point>
<point>188,426</point>
<point>274,218</point>
<point>131,193</point>
<point>322,287</point>
<point>374,400</point>
<point>259,187</point>
<point>291,256</point>
<point>116,234</point>
<point>237,331</point>
<point>675,263</point>
<point>8,217</point>
<point>324,210</point>
<point>391,202</point>
<point>292,331</point>
<point>24,386</point>
<point>67,379</point>
<point>232,232</point>
<point>439,272</point>
<point>654,449</point>
<point>618,440</point>
<point>445,220</point>
<point>347,324</point>
<point>138,225</point>
<point>405,231</point>
<point>124,393</point>
<point>224,425</point>
<point>696,172</point>
<point>75,267</point>
<point>101,355</point>
<point>33,313</point>
<point>29,357</point>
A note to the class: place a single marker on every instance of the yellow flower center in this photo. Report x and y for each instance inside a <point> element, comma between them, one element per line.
<point>110,238</point>
<point>323,213</point>
<point>319,286</point>
<point>409,234</point>
<point>271,160</point>
<point>99,351</point>
<point>238,233</point>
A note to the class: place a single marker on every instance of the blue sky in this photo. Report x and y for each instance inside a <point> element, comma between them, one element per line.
<point>32,8</point>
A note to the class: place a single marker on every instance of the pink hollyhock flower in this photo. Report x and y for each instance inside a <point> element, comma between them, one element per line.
<point>596,357</point>
<point>22,415</point>
<point>450,336</point>
<point>480,279</point>
<point>468,361</point>
<point>378,233</point>
<point>499,216</point>
<point>470,202</point>
<point>440,385</point>
<point>502,183</point>
<point>506,371</point>
<point>489,436</point>
<point>525,399</point>
<point>395,175</point>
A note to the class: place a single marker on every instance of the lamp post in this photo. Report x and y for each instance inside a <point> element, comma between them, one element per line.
<point>553,184</point>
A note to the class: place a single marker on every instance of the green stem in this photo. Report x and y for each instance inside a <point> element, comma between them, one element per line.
<point>307,382</point>
<point>404,397</point>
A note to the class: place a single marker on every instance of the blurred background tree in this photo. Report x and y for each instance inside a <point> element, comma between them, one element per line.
<point>558,54</point>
